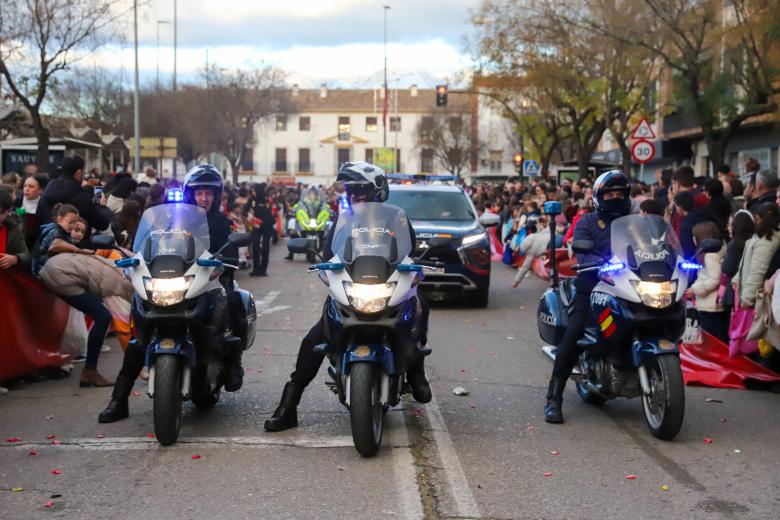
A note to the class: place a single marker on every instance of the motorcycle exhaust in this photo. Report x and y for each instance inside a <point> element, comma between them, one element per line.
<point>185,382</point>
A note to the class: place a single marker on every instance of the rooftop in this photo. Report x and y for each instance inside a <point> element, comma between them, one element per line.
<point>409,100</point>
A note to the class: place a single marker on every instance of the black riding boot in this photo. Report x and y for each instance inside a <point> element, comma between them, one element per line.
<point>286,415</point>
<point>117,408</point>
<point>553,412</point>
<point>421,389</point>
<point>234,373</point>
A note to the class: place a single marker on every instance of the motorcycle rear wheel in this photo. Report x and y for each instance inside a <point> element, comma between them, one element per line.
<point>664,408</point>
<point>167,398</point>
<point>365,410</point>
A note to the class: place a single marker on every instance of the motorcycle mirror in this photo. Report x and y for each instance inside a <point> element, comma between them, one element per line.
<point>582,246</point>
<point>709,245</point>
<point>239,239</point>
<point>488,219</point>
<point>298,245</point>
<point>103,242</point>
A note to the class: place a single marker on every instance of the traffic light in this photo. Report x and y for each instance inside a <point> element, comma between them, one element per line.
<point>441,95</point>
<point>518,160</point>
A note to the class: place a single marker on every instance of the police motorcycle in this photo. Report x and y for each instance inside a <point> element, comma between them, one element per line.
<point>372,314</point>
<point>313,221</point>
<point>630,345</point>
<point>177,311</point>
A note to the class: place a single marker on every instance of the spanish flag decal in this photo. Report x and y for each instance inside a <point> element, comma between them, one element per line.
<point>607,322</point>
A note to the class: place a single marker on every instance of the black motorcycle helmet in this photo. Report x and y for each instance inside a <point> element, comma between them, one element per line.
<point>203,176</point>
<point>362,178</point>
<point>614,180</point>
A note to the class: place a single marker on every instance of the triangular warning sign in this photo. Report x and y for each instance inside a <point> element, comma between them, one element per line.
<point>643,130</point>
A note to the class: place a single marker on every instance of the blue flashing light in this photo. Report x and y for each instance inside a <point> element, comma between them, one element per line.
<point>408,268</point>
<point>208,262</point>
<point>344,203</point>
<point>690,266</point>
<point>612,268</point>
<point>128,262</point>
<point>174,195</point>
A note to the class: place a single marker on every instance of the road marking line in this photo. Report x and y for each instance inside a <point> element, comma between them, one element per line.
<point>404,471</point>
<point>456,478</point>
<point>145,443</point>
<point>263,306</point>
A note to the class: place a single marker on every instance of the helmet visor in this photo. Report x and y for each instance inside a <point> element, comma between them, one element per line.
<point>359,189</point>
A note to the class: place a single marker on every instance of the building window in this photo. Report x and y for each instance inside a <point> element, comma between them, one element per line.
<point>343,156</point>
<point>426,161</point>
<point>281,123</point>
<point>304,123</point>
<point>280,164</point>
<point>370,155</point>
<point>495,161</point>
<point>395,124</point>
<point>304,162</point>
<point>426,128</point>
<point>343,128</point>
<point>371,125</point>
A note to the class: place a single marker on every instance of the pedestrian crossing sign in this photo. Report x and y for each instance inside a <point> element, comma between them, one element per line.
<point>531,168</point>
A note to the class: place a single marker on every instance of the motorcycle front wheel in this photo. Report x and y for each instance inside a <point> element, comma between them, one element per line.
<point>167,398</point>
<point>664,407</point>
<point>365,409</point>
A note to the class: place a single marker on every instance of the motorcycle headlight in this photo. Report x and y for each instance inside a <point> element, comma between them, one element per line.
<point>657,295</point>
<point>167,291</point>
<point>369,298</point>
<point>312,223</point>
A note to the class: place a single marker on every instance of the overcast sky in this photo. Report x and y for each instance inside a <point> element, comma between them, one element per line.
<point>338,42</point>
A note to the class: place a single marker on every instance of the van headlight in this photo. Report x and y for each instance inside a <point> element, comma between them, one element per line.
<point>369,298</point>
<point>167,291</point>
<point>657,295</point>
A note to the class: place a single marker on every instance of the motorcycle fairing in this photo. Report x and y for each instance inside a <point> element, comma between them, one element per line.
<point>368,353</point>
<point>175,346</point>
<point>645,348</point>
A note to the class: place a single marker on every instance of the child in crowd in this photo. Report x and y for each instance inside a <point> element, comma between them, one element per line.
<point>712,316</point>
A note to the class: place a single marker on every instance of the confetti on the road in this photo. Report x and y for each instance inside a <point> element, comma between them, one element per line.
<point>49,504</point>
<point>136,393</point>
<point>630,477</point>
<point>472,351</point>
<point>56,442</point>
<point>33,453</point>
<point>17,489</point>
<point>49,417</point>
<point>150,435</point>
<point>548,474</point>
<point>712,400</point>
<point>492,353</point>
<point>196,456</point>
<point>462,370</point>
<point>737,451</point>
<point>723,419</point>
<point>510,338</point>
<point>50,437</point>
<point>531,429</point>
<point>459,390</point>
<point>14,439</point>
<point>472,405</point>
<point>55,472</point>
<point>475,380</point>
<point>708,440</point>
<point>664,488</point>
<point>555,452</point>
<point>99,436</point>
<point>341,468</point>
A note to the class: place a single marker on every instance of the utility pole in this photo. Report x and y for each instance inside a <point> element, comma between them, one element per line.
<point>175,41</point>
<point>386,101</point>
<point>136,101</point>
<point>159,22</point>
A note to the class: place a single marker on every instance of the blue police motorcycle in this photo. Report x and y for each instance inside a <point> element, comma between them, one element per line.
<point>630,345</point>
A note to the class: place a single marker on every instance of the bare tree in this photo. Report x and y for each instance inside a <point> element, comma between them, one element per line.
<point>41,38</point>
<point>94,95</point>
<point>448,136</point>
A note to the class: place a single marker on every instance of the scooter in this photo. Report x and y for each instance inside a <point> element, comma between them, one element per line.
<point>372,314</point>
<point>630,345</point>
<point>179,310</point>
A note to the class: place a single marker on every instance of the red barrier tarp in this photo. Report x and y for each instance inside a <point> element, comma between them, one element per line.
<point>709,364</point>
<point>32,320</point>
<point>563,263</point>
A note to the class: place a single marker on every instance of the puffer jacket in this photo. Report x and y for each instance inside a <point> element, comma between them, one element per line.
<point>533,246</point>
<point>755,262</point>
<point>707,282</point>
<point>70,274</point>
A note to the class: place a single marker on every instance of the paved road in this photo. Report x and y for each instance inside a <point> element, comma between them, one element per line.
<point>480,456</point>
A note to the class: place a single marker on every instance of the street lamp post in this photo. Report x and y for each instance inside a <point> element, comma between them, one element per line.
<point>136,101</point>
<point>386,101</point>
<point>159,22</point>
<point>175,41</point>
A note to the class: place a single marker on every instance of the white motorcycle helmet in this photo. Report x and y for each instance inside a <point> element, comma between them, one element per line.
<point>361,178</point>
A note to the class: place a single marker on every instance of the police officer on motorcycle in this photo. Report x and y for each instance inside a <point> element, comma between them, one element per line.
<point>363,182</point>
<point>202,187</point>
<point>611,201</point>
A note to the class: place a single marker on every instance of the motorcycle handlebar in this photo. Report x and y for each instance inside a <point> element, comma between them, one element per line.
<point>429,263</point>
<point>586,265</point>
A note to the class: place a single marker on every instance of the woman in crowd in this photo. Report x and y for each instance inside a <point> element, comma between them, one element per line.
<point>13,249</point>
<point>120,194</point>
<point>28,204</point>
<point>712,316</point>
<point>759,250</point>
<point>126,223</point>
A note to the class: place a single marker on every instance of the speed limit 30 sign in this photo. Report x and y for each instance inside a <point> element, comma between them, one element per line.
<point>643,151</point>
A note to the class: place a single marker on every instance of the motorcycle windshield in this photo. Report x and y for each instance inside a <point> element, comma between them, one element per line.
<point>372,229</point>
<point>646,243</point>
<point>172,229</point>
